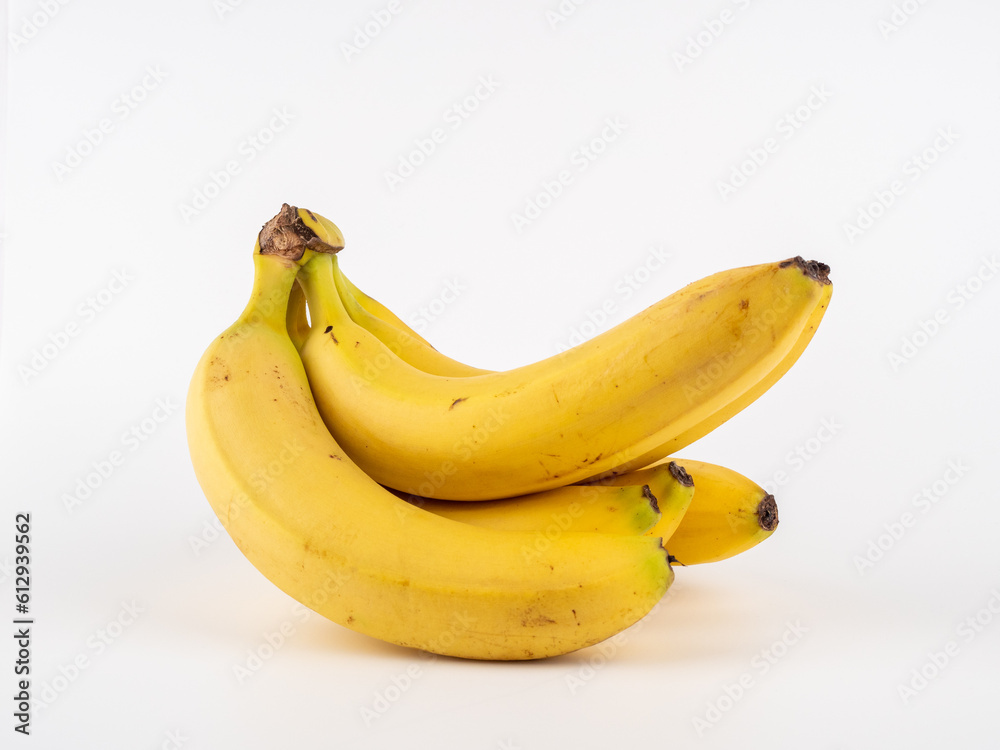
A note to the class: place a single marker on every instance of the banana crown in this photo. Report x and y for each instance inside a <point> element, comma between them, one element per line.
<point>295,232</point>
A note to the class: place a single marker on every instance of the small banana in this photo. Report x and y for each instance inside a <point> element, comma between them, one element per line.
<point>654,505</point>
<point>327,534</point>
<point>586,412</point>
<point>609,510</point>
<point>728,515</point>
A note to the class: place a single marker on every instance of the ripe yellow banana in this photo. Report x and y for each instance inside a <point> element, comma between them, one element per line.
<point>728,515</point>
<point>595,408</point>
<point>610,510</point>
<point>328,535</point>
<point>402,340</point>
<point>654,506</point>
<point>409,346</point>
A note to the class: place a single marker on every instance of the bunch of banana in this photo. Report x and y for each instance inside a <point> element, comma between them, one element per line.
<point>486,515</point>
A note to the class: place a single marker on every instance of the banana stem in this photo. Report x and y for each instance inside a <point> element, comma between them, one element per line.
<point>285,244</point>
<point>272,284</point>
<point>325,305</point>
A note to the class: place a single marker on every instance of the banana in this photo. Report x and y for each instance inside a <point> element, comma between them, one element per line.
<point>412,348</point>
<point>609,510</point>
<point>727,409</point>
<point>654,506</point>
<point>328,535</point>
<point>597,408</point>
<point>729,514</point>
<point>404,342</point>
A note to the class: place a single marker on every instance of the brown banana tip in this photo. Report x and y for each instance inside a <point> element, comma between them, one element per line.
<point>812,268</point>
<point>648,494</point>
<point>767,513</point>
<point>679,473</point>
<point>287,236</point>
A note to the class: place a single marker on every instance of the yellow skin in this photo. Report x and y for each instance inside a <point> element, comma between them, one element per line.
<point>608,510</point>
<point>653,378</point>
<point>402,341</point>
<point>724,520</point>
<point>655,506</point>
<point>409,346</point>
<point>622,509</point>
<point>728,515</point>
<point>328,535</point>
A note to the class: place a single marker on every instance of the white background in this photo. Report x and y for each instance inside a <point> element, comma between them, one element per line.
<point>872,606</point>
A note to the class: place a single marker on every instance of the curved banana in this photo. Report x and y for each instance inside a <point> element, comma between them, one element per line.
<point>654,506</point>
<point>404,342</point>
<point>728,515</point>
<point>412,348</point>
<point>385,325</point>
<point>728,409</point>
<point>325,533</point>
<point>631,509</point>
<point>592,409</point>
